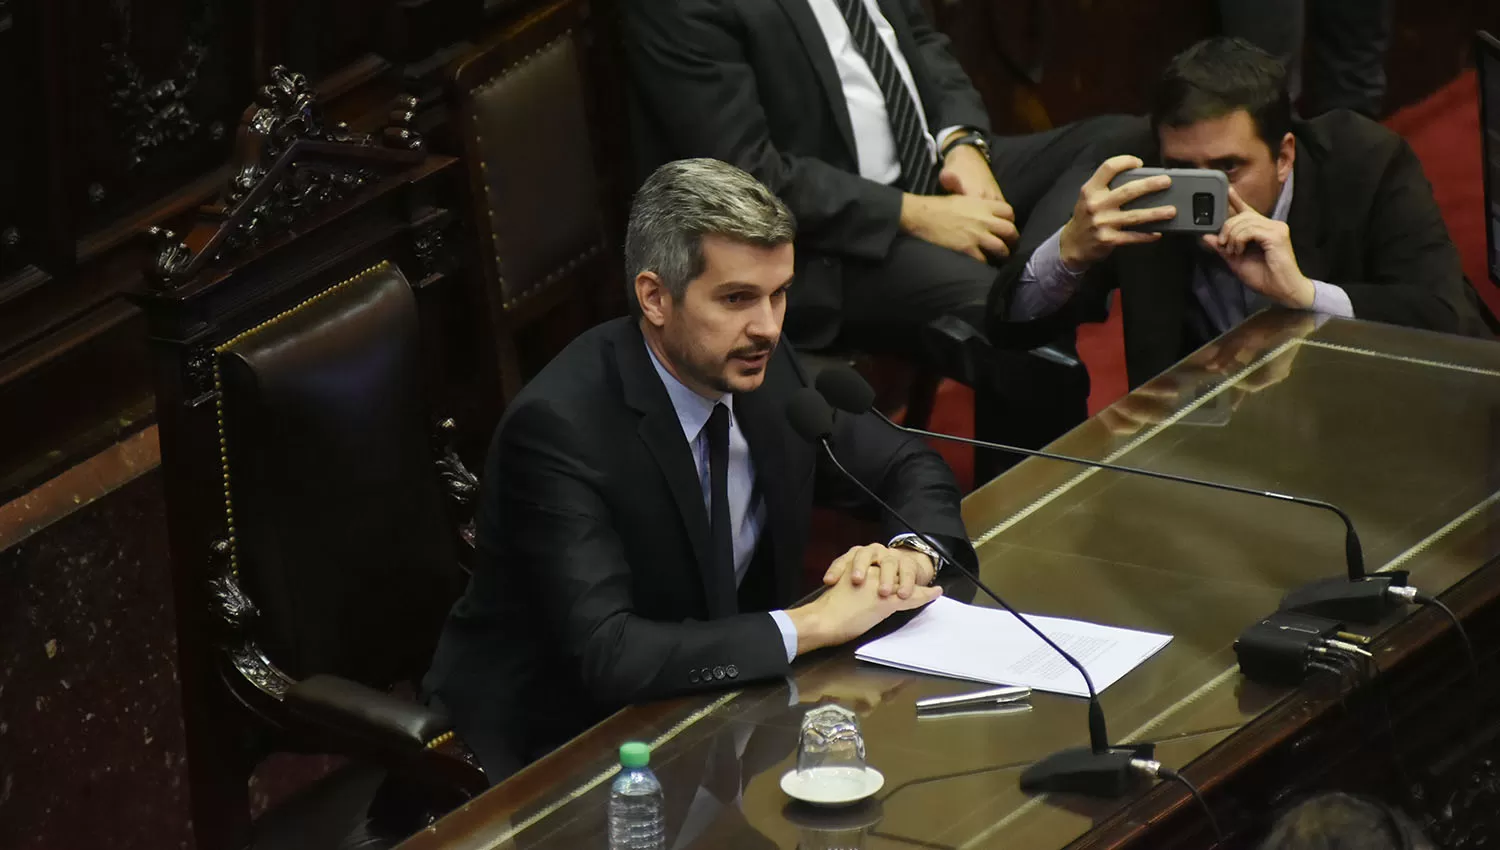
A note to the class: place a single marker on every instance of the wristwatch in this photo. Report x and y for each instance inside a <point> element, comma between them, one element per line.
<point>973,138</point>
<point>917,544</point>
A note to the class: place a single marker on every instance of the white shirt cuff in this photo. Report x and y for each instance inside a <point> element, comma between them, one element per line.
<point>1331,300</point>
<point>788,631</point>
<point>945,134</point>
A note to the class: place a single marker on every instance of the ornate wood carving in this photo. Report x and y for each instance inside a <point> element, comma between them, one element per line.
<point>253,664</point>
<point>200,374</point>
<point>431,248</point>
<point>236,612</point>
<point>460,484</point>
<point>153,117</point>
<point>235,609</point>
<point>289,166</point>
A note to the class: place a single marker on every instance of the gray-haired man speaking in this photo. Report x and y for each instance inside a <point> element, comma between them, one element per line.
<point>645,507</point>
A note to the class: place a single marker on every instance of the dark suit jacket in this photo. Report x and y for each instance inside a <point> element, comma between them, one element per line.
<point>1362,218</point>
<point>593,588</point>
<point>751,82</point>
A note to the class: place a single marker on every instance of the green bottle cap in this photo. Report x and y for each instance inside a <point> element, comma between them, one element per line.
<point>635,754</point>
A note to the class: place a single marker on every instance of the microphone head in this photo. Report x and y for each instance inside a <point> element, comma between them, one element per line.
<point>846,389</point>
<point>810,415</point>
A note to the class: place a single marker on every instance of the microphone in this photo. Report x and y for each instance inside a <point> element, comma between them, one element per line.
<point>1098,769</point>
<point>1359,598</point>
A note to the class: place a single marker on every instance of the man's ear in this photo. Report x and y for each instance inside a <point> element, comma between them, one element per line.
<point>1286,157</point>
<point>652,296</point>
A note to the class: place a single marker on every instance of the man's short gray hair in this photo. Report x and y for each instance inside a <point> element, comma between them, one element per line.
<point>683,201</point>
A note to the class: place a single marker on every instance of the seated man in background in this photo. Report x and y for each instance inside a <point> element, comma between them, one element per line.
<point>1332,215</point>
<point>646,503</point>
<point>858,116</point>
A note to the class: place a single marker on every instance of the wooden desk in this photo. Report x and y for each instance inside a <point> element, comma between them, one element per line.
<point>1398,427</point>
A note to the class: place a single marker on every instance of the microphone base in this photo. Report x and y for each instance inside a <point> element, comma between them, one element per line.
<point>1080,770</point>
<point>1362,601</point>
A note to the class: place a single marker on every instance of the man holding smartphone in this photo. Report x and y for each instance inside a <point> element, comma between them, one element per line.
<point>1333,215</point>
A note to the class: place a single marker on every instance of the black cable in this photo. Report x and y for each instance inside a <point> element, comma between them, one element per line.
<point>1208,813</point>
<point>1463,634</point>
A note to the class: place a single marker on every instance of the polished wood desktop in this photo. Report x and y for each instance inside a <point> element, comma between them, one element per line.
<point>1399,427</point>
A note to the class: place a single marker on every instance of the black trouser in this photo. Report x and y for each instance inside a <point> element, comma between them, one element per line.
<point>1346,46</point>
<point>887,303</point>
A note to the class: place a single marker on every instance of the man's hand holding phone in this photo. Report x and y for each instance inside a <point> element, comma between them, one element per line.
<point>1099,225</point>
<point>1259,252</point>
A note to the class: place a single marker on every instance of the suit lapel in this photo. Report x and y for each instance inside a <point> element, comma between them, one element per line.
<point>662,433</point>
<point>1304,219</point>
<point>760,418</point>
<point>816,48</point>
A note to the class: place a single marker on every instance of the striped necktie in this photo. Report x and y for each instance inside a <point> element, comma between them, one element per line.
<point>918,171</point>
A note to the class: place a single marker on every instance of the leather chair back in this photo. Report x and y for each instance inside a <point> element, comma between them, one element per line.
<point>339,534</point>
<point>540,184</point>
<point>529,102</point>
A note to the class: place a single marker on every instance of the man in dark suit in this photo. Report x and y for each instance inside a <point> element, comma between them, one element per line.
<point>646,503</point>
<point>1332,215</point>
<point>857,114</point>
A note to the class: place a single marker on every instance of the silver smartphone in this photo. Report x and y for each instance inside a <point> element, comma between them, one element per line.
<point>1201,196</point>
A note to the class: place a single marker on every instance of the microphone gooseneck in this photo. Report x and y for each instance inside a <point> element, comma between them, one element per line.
<point>1098,769</point>
<point>1359,598</point>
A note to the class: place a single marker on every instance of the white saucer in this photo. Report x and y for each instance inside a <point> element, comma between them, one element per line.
<point>831,786</point>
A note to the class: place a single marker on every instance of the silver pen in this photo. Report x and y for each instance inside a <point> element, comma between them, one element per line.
<point>989,709</point>
<point>1008,693</point>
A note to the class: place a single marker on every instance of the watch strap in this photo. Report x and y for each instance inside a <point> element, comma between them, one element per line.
<point>917,544</point>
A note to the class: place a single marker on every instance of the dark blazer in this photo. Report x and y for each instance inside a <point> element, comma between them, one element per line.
<point>1362,218</point>
<point>593,588</point>
<point>751,82</point>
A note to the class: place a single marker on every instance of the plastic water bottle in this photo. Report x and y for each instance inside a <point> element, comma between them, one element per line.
<point>635,803</point>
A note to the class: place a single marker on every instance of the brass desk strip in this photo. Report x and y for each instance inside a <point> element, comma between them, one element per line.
<point>1114,457</point>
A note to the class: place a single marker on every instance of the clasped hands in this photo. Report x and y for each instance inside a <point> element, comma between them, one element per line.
<point>898,571</point>
<point>863,587</point>
<point>973,219</point>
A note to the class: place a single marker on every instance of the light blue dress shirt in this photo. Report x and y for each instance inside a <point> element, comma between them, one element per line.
<point>1047,283</point>
<point>747,510</point>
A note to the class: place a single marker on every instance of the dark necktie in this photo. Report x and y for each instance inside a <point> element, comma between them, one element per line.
<point>918,171</point>
<point>718,485</point>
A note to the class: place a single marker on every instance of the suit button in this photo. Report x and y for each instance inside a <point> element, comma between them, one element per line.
<point>718,672</point>
<point>732,671</point>
<point>693,676</point>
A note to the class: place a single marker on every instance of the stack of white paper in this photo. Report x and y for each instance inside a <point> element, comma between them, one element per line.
<point>949,638</point>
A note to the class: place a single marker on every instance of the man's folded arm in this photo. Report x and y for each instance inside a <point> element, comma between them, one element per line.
<point>690,70</point>
<point>569,558</point>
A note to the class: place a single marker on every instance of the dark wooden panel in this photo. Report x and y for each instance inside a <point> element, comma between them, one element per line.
<point>11,146</point>
<point>153,91</point>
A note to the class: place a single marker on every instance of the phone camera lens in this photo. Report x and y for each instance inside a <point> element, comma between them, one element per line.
<point>1203,209</point>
